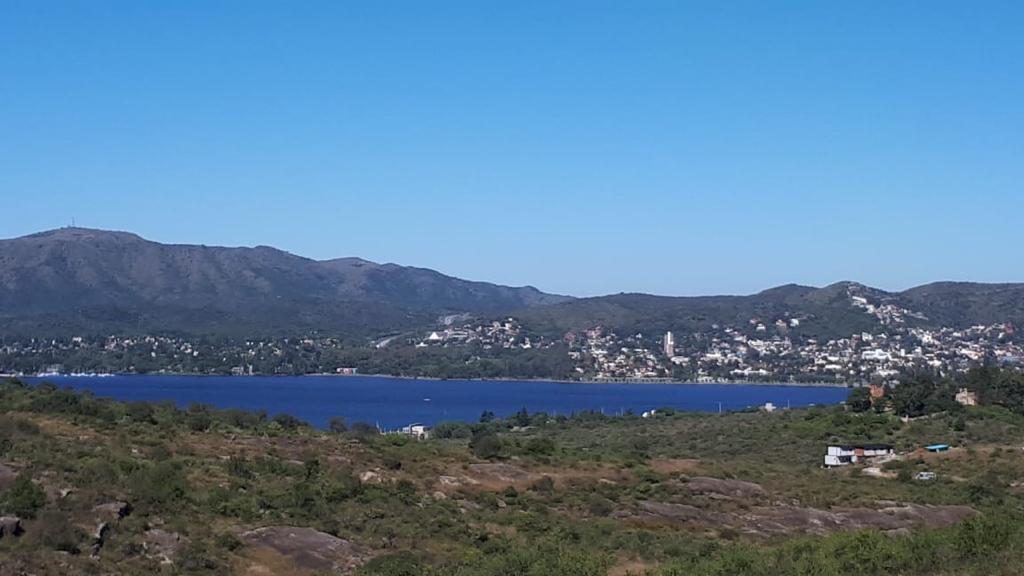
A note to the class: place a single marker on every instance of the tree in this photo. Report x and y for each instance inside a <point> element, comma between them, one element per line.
<point>363,429</point>
<point>337,425</point>
<point>140,412</point>
<point>522,418</point>
<point>288,422</point>
<point>486,417</point>
<point>923,395</point>
<point>859,400</point>
<point>486,445</point>
<point>1007,390</point>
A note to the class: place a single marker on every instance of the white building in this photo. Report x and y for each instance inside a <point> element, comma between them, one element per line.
<point>875,354</point>
<point>966,397</point>
<point>670,345</point>
<point>843,454</point>
<point>417,431</point>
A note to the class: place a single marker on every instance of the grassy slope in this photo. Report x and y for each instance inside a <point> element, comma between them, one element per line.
<point>210,476</point>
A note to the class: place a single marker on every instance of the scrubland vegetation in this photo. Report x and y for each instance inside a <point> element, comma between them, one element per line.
<point>103,487</point>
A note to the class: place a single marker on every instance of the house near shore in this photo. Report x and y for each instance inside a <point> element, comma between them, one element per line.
<point>417,431</point>
<point>965,397</point>
<point>843,454</point>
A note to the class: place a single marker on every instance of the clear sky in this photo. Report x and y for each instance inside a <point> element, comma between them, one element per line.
<point>582,147</point>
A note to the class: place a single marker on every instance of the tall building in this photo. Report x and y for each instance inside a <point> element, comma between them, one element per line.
<point>670,345</point>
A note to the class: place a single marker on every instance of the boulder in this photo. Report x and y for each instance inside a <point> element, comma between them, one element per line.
<point>112,511</point>
<point>370,477</point>
<point>162,545</point>
<point>104,516</point>
<point>10,526</point>
<point>309,549</point>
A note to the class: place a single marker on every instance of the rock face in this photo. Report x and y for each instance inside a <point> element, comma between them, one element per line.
<point>309,549</point>
<point>10,526</point>
<point>779,520</point>
<point>163,545</point>
<point>684,513</point>
<point>105,515</point>
<point>108,278</point>
<point>112,511</point>
<point>729,488</point>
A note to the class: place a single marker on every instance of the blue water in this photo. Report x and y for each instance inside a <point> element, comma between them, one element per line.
<point>395,402</point>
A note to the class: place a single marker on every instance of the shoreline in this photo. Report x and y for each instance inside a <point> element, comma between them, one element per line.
<point>618,381</point>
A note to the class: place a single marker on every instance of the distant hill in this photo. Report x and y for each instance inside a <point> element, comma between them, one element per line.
<point>75,279</point>
<point>835,311</point>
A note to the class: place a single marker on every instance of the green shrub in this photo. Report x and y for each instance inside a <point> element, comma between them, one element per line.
<point>337,425</point>
<point>24,498</point>
<point>399,564</point>
<point>55,530</point>
<point>486,446</point>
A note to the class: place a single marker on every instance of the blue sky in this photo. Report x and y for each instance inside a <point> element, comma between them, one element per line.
<point>581,147</point>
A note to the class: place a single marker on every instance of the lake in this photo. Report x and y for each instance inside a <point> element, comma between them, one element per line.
<point>396,402</point>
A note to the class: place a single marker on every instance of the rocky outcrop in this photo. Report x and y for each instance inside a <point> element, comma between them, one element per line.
<point>685,513</point>
<point>309,549</point>
<point>781,520</point>
<point>727,488</point>
<point>106,515</point>
<point>112,511</point>
<point>10,526</point>
<point>162,545</point>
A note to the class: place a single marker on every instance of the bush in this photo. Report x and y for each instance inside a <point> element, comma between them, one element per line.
<point>288,422</point>
<point>160,487</point>
<point>141,412</point>
<point>540,446</point>
<point>337,425</point>
<point>544,484</point>
<point>363,429</point>
<point>24,498</point>
<point>400,564</point>
<point>486,446</point>
<point>199,421</point>
<point>56,531</point>
<point>599,506</point>
<point>450,430</point>
<point>198,557</point>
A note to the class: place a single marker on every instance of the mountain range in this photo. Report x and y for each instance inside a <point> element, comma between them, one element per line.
<point>75,280</point>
